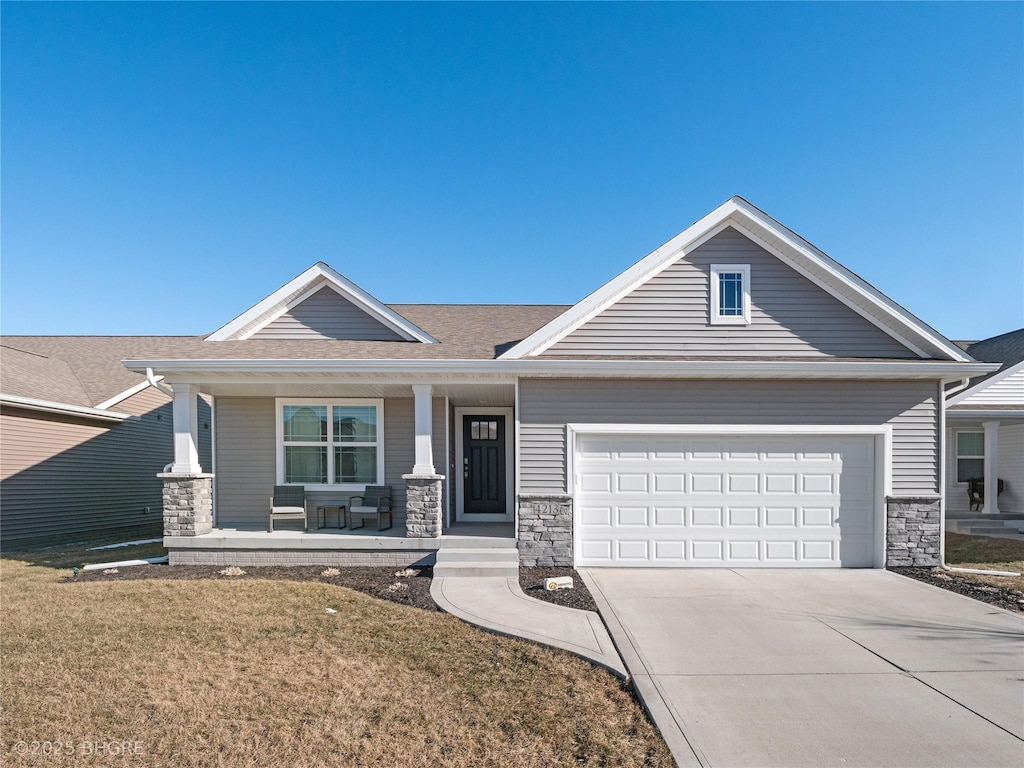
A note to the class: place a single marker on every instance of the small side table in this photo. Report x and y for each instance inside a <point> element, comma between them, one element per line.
<point>337,509</point>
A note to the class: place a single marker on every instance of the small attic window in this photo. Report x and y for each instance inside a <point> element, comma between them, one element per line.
<point>730,294</point>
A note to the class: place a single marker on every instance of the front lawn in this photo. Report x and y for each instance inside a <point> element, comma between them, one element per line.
<point>987,553</point>
<point>249,671</point>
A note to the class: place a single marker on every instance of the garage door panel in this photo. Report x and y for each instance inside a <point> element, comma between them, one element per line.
<point>719,501</point>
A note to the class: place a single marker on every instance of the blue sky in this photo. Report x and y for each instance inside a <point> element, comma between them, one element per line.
<point>165,166</point>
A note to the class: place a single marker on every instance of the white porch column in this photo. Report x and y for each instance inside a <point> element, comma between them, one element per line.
<point>186,430</point>
<point>991,468</point>
<point>424,417</point>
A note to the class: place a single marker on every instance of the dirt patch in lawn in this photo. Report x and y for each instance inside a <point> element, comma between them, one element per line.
<point>407,586</point>
<point>1004,597</point>
<point>532,582</point>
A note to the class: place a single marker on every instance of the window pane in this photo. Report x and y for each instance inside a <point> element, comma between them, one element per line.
<point>730,293</point>
<point>968,469</point>
<point>355,465</point>
<point>305,423</point>
<point>305,464</point>
<point>970,444</point>
<point>355,423</point>
<point>492,430</point>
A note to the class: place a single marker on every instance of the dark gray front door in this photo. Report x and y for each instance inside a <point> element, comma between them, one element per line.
<point>483,465</point>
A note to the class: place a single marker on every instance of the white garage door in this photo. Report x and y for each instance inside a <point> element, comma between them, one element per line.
<point>675,500</point>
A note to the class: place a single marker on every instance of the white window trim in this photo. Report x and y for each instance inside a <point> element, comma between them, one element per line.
<point>281,402</point>
<point>716,318</point>
<point>956,453</point>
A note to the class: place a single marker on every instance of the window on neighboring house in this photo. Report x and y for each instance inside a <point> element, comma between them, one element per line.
<point>970,456</point>
<point>330,443</point>
<point>730,294</point>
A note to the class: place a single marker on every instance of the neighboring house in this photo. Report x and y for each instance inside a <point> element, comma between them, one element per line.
<point>985,438</point>
<point>736,398</point>
<point>81,437</point>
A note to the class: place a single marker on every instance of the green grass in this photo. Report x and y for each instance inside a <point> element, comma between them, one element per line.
<point>256,672</point>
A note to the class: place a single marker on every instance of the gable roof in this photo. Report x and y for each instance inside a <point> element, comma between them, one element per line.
<point>777,239</point>
<point>310,282</point>
<point>1008,349</point>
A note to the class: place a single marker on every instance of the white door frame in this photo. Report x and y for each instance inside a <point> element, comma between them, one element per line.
<point>883,457</point>
<point>482,410</point>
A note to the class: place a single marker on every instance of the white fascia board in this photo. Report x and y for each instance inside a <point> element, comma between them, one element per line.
<point>735,212</point>
<point>750,369</point>
<point>963,395</point>
<point>864,289</point>
<point>977,414</point>
<point>275,304</point>
<point>121,396</point>
<point>49,406</point>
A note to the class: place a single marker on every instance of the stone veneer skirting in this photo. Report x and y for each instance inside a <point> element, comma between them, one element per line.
<point>188,504</point>
<point>423,506</point>
<point>913,530</point>
<point>339,558</point>
<point>545,529</point>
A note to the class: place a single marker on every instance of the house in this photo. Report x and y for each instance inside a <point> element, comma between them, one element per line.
<point>735,398</point>
<point>985,439</point>
<point>81,437</point>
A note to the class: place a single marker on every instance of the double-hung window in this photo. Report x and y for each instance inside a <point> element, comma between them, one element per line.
<point>730,294</point>
<point>970,456</point>
<point>330,443</point>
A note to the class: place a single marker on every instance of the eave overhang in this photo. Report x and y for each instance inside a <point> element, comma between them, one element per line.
<point>63,409</point>
<point>188,370</point>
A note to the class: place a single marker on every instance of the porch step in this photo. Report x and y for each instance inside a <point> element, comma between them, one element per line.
<point>455,541</point>
<point>474,560</point>
<point>983,530</point>
<point>479,555</point>
<point>501,570</point>
<point>975,515</point>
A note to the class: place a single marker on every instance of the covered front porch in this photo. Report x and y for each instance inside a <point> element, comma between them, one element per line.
<point>443,448</point>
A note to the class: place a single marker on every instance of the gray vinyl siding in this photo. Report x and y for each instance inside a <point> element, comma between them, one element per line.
<point>61,475</point>
<point>246,460</point>
<point>247,457</point>
<point>547,405</point>
<point>1011,465</point>
<point>670,314</point>
<point>326,315</point>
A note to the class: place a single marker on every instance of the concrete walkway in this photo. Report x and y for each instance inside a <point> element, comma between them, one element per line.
<point>498,605</point>
<point>818,667</point>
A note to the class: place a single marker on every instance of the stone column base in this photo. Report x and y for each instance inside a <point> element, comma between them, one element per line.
<point>188,504</point>
<point>423,506</point>
<point>913,530</point>
<point>545,529</point>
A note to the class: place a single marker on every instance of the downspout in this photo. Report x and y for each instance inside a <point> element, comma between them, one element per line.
<point>942,488</point>
<point>153,382</point>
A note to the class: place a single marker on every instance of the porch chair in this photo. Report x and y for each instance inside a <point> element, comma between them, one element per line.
<point>976,492</point>
<point>287,503</point>
<point>375,501</point>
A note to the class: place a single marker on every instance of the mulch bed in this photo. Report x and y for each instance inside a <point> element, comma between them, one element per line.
<point>532,580</point>
<point>376,582</point>
<point>1010,599</point>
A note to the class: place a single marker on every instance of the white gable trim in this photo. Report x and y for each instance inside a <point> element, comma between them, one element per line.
<point>120,396</point>
<point>966,394</point>
<point>818,267</point>
<point>295,291</point>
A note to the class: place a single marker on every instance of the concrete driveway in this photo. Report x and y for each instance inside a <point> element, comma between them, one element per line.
<point>818,667</point>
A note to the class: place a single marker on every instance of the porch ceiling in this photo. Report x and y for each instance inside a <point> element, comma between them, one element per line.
<point>460,393</point>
